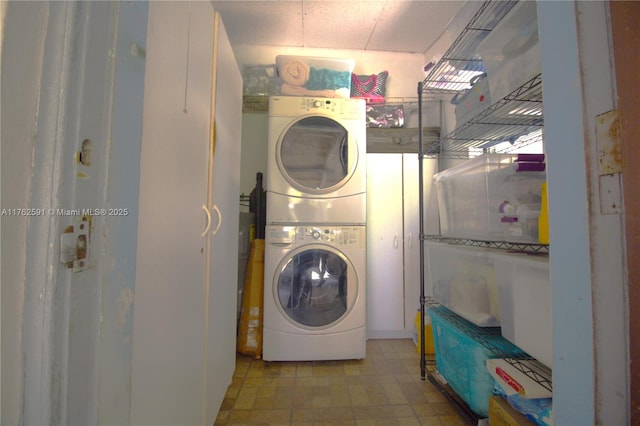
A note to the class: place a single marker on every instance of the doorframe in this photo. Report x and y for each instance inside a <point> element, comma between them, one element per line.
<point>626,44</point>
<point>590,340</point>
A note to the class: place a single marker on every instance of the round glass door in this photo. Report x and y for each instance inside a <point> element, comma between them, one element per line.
<point>312,288</point>
<point>314,154</point>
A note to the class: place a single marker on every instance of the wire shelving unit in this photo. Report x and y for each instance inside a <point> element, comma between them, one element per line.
<point>509,123</point>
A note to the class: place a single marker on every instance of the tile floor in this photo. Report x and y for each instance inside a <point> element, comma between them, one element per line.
<point>382,389</point>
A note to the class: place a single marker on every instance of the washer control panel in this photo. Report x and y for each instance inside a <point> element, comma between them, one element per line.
<point>280,234</point>
<point>338,235</point>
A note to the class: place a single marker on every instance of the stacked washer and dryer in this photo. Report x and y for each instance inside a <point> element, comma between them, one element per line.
<point>315,248</point>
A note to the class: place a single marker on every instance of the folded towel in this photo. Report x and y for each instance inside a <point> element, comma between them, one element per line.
<point>294,73</point>
<point>321,79</point>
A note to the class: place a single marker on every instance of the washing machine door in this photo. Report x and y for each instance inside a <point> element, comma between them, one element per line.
<point>316,287</point>
<point>316,154</point>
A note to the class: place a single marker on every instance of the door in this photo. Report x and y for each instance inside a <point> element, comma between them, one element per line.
<point>411,233</point>
<point>411,224</point>
<point>393,250</point>
<point>316,155</point>
<point>70,143</point>
<point>315,288</point>
<point>385,258</point>
<point>225,211</point>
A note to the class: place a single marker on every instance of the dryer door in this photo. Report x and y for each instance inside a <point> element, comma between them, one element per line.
<point>316,155</point>
<point>316,287</point>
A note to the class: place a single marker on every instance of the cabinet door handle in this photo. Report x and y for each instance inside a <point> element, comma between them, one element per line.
<point>395,241</point>
<point>410,240</point>
<point>219,213</point>
<point>208,225</point>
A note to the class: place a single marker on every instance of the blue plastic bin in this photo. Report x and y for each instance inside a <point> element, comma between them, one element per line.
<point>462,349</point>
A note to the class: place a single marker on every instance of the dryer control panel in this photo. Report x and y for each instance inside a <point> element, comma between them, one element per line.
<point>295,106</point>
<point>344,108</point>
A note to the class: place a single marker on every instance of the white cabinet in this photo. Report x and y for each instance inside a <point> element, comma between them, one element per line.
<point>185,291</point>
<point>393,241</point>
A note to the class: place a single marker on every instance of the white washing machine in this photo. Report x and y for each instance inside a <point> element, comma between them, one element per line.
<point>316,170</point>
<point>314,293</point>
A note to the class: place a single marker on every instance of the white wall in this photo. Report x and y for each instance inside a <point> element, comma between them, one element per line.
<point>22,55</point>
<point>254,152</point>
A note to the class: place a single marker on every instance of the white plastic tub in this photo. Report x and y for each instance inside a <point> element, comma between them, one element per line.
<point>524,291</point>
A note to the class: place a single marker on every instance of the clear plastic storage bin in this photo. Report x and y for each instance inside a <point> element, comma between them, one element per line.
<point>464,280</point>
<point>511,52</point>
<point>314,76</point>
<point>495,197</point>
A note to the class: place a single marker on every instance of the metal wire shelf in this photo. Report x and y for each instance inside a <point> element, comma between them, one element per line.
<point>488,338</point>
<point>402,139</point>
<point>460,62</point>
<point>538,249</point>
<point>507,120</point>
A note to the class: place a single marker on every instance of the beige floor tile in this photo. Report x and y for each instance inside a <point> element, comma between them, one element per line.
<point>246,398</point>
<point>381,412</point>
<point>312,381</point>
<point>304,371</point>
<point>394,393</point>
<point>270,416</point>
<point>358,395</point>
<point>383,389</point>
<point>454,420</point>
<point>238,416</point>
<point>322,415</point>
<point>430,421</point>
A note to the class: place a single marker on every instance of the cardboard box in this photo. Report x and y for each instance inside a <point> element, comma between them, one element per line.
<point>502,414</point>
<point>429,348</point>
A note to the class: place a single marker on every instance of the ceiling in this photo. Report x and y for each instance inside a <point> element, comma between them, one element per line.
<point>379,25</point>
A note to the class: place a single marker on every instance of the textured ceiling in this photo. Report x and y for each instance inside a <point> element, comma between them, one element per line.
<point>391,25</point>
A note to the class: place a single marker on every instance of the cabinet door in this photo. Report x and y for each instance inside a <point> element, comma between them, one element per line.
<point>411,216</point>
<point>169,327</point>
<point>385,293</point>
<point>411,206</point>
<point>225,211</point>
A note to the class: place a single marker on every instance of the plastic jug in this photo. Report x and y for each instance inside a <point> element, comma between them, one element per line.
<point>543,218</point>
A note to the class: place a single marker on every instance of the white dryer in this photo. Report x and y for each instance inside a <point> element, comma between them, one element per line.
<point>316,170</point>
<point>314,293</point>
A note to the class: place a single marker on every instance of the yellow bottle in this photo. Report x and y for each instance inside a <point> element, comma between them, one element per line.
<point>543,219</point>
